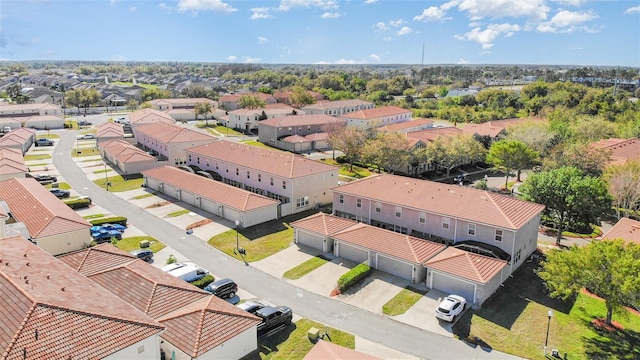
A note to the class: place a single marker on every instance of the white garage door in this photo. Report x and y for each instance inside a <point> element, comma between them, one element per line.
<point>452,285</point>
<point>354,254</point>
<point>395,267</point>
<point>311,240</point>
<point>187,197</point>
<point>171,191</point>
<point>209,206</point>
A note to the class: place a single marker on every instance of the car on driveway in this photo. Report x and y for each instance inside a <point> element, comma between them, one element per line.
<point>143,254</point>
<point>59,193</point>
<point>116,227</point>
<point>44,142</point>
<point>252,306</point>
<point>105,236</point>
<point>42,178</point>
<point>450,307</point>
<point>273,316</point>
<point>86,137</point>
<point>225,288</point>
<point>462,178</point>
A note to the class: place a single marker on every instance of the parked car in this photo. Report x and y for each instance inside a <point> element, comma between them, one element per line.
<point>42,178</point>
<point>83,123</point>
<point>144,254</point>
<point>44,142</point>
<point>121,120</point>
<point>224,288</point>
<point>186,168</point>
<point>189,273</point>
<point>59,193</point>
<point>116,227</point>
<point>106,236</point>
<point>273,316</point>
<point>86,137</point>
<point>176,265</point>
<point>209,174</point>
<point>462,178</point>
<point>195,168</point>
<point>252,306</point>
<point>451,307</point>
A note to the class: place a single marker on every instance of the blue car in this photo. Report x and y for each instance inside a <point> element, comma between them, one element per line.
<point>116,227</point>
<point>97,228</point>
<point>105,236</point>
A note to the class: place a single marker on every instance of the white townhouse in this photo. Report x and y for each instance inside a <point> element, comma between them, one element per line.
<point>169,141</point>
<point>248,119</point>
<point>377,117</point>
<point>337,108</point>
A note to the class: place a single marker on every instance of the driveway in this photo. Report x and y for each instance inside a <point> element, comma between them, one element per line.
<point>422,314</point>
<point>374,292</point>
<point>324,279</point>
<point>283,261</point>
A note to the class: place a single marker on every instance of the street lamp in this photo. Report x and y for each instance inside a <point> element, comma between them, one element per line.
<point>546,341</point>
<point>106,176</point>
<point>237,243</point>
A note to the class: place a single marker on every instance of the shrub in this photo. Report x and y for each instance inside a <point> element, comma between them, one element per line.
<point>342,160</point>
<point>111,220</point>
<point>202,283</point>
<point>353,276</point>
<point>171,259</point>
<point>78,203</point>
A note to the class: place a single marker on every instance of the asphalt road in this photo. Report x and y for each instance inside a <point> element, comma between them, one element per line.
<point>373,327</point>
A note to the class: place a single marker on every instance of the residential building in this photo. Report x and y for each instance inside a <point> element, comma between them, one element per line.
<point>217,198</point>
<point>169,141</point>
<point>12,164</point>
<point>20,139</point>
<point>248,119</point>
<point>326,350</point>
<point>128,158</point>
<point>408,126</point>
<point>620,150</point>
<point>297,182</point>
<point>109,131</point>
<point>229,102</point>
<point>443,213</point>
<point>376,117</point>
<point>35,116</point>
<point>337,108</point>
<point>149,116</point>
<point>198,325</point>
<point>51,311</point>
<point>290,132</point>
<point>39,216</point>
<point>492,129</point>
<point>626,229</point>
<point>181,109</point>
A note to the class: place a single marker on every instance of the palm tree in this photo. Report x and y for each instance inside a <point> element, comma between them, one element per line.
<point>203,108</point>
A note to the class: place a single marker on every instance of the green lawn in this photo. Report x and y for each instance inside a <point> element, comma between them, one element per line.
<point>102,171</point>
<point>93,216</point>
<point>84,151</point>
<point>403,301</point>
<point>305,268</point>
<point>143,196</point>
<point>62,186</point>
<point>37,157</point>
<point>346,170</point>
<point>226,131</point>
<point>178,213</point>
<point>133,243</point>
<point>515,322</point>
<point>118,183</point>
<point>292,343</point>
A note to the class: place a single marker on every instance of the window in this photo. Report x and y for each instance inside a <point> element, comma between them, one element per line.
<point>378,207</point>
<point>197,159</point>
<point>445,223</point>
<point>189,157</point>
<point>422,218</point>
<point>271,181</point>
<point>303,201</point>
<point>398,211</point>
<point>341,199</point>
<point>359,203</point>
<point>248,175</point>
<point>237,171</point>
<point>472,229</point>
<point>284,184</point>
<point>259,178</point>
<point>498,235</point>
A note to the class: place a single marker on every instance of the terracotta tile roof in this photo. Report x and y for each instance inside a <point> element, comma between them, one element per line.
<point>626,229</point>
<point>205,324</point>
<point>17,137</point>
<point>172,133</point>
<point>219,192</point>
<point>477,268</point>
<point>302,120</point>
<point>21,107</point>
<point>296,139</point>
<point>68,313</point>
<point>149,116</point>
<point>283,164</point>
<point>391,243</point>
<point>495,127</point>
<point>181,101</point>
<point>323,223</point>
<point>269,109</point>
<point>454,201</point>
<point>325,105</point>
<point>11,161</point>
<point>324,350</point>
<point>124,151</point>
<point>421,123</point>
<point>622,150</point>
<point>431,134</point>
<point>109,130</point>
<point>317,136</point>
<point>42,213</point>
<point>375,113</point>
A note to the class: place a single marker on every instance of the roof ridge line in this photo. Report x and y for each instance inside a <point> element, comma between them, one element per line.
<point>99,315</point>
<point>20,329</point>
<point>513,226</point>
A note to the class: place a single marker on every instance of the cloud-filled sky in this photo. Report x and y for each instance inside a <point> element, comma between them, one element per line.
<point>554,32</point>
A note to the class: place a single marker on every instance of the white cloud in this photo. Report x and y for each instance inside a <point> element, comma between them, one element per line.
<point>479,9</point>
<point>330,15</point>
<point>260,13</point>
<point>286,5</point>
<point>396,23</point>
<point>374,57</point>
<point>575,3</point>
<point>232,58</point>
<point>381,26</point>
<point>166,7</point>
<point>567,21</point>
<point>250,60</point>
<point>262,40</point>
<point>633,10</point>
<point>370,2</point>
<point>404,31</point>
<point>133,8</point>
<point>205,5</point>
<point>431,14</point>
<point>462,61</point>
<point>487,36</point>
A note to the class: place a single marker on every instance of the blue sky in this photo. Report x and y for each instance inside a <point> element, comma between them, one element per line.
<point>554,32</point>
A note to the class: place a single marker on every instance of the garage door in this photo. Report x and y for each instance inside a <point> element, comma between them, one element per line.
<point>209,206</point>
<point>171,191</point>
<point>452,285</point>
<point>354,254</point>
<point>311,240</point>
<point>187,197</point>
<point>395,267</point>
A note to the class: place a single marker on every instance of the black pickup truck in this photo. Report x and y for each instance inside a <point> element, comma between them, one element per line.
<point>273,316</point>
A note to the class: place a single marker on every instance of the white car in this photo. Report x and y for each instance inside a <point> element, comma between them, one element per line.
<point>451,307</point>
<point>86,137</point>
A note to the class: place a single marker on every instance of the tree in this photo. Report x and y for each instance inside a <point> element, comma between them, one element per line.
<point>82,98</point>
<point>623,183</point>
<point>154,93</point>
<point>449,152</point>
<point>132,105</point>
<point>349,140</point>
<point>196,91</point>
<point>301,97</point>
<point>14,91</point>
<point>571,199</point>
<point>535,135</point>
<point>390,151</point>
<point>507,155</point>
<point>203,108</point>
<point>608,268</point>
<point>251,102</point>
<point>588,159</point>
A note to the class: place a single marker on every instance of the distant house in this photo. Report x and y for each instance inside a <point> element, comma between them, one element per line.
<point>290,132</point>
<point>248,119</point>
<point>36,116</point>
<point>169,141</point>
<point>626,229</point>
<point>181,108</point>
<point>621,150</point>
<point>20,139</point>
<point>377,117</point>
<point>229,102</point>
<point>408,126</point>
<point>298,183</point>
<point>51,311</point>
<point>42,218</point>
<point>11,164</point>
<point>337,108</point>
<point>492,129</point>
<point>149,116</point>
<point>128,158</point>
<point>109,131</point>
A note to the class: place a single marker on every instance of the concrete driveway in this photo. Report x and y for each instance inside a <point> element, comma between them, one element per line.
<point>374,292</point>
<point>423,314</point>
<point>324,279</point>
<point>283,261</point>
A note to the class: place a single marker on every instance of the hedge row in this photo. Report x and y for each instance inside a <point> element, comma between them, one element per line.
<point>112,220</point>
<point>202,283</point>
<point>78,203</point>
<point>353,276</point>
